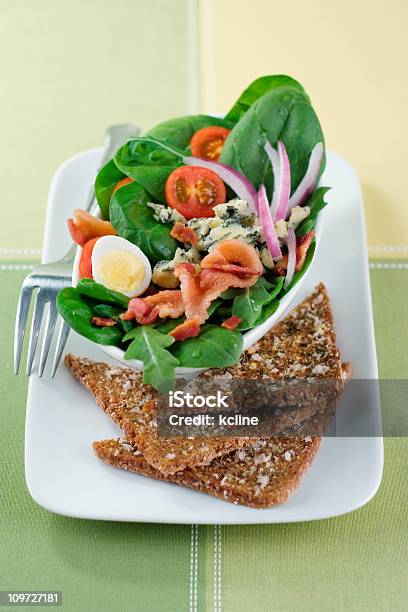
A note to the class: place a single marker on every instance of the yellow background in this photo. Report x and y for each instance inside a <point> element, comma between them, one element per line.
<point>69,69</point>
<point>352,58</point>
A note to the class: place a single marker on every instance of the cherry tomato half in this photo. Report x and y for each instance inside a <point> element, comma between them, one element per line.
<point>194,191</point>
<point>121,183</point>
<point>207,143</point>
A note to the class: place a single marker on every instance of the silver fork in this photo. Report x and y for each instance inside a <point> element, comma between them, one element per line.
<point>49,278</point>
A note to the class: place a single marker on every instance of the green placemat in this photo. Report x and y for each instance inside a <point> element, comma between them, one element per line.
<point>354,562</point>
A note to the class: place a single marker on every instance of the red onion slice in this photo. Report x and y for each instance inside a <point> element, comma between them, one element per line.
<point>308,182</point>
<point>268,227</point>
<point>291,242</point>
<point>234,179</point>
<point>281,179</point>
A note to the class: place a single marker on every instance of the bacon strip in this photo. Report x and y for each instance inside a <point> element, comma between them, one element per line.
<point>103,321</point>
<point>234,256</point>
<point>163,304</point>
<point>302,245</point>
<point>184,234</point>
<point>199,290</point>
<point>188,329</point>
<point>169,303</point>
<point>231,323</point>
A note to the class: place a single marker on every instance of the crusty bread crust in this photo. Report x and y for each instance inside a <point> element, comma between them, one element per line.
<point>260,476</point>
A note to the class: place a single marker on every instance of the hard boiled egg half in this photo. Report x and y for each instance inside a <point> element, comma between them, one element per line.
<point>120,265</point>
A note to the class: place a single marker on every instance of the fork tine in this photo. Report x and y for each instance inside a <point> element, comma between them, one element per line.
<point>49,330</point>
<point>62,339</point>
<point>21,321</point>
<point>35,329</point>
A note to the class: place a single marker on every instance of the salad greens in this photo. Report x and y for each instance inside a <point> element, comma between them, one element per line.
<point>275,112</point>
<point>148,164</point>
<point>215,347</point>
<point>150,346</point>
<point>95,291</point>
<point>283,114</point>
<point>179,132</point>
<point>78,313</point>
<point>258,88</point>
<point>249,304</point>
<point>298,275</point>
<point>316,203</point>
<point>134,220</point>
<point>107,179</point>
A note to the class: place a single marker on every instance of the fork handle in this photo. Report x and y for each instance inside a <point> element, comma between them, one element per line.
<point>115,137</point>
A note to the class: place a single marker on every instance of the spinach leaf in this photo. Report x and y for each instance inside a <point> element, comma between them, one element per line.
<point>230,293</point>
<point>257,89</point>
<point>215,347</point>
<point>276,288</point>
<point>78,314</point>
<point>316,203</point>
<point>150,346</point>
<point>147,163</point>
<point>113,312</point>
<point>106,180</point>
<point>179,132</point>
<point>281,114</point>
<point>95,291</point>
<point>267,311</point>
<point>167,326</point>
<point>249,304</point>
<point>106,310</point>
<point>134,220</point>
<point>224,312</point>
<point>298,275</point>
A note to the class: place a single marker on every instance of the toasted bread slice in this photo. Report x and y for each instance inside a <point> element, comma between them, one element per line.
<point>132,405</point>
<point>259,476</point>
<point>302,345</point>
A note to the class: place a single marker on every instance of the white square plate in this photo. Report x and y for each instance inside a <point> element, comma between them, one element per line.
<point>65,477</point>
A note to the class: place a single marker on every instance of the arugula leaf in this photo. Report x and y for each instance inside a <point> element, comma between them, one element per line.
<point>134,220</point>
<point>284,113</point>
<point>150,346</point>
<point>215,347</point>
<point>316,203</point>
<point>257,89</point>
<point>106,180</point>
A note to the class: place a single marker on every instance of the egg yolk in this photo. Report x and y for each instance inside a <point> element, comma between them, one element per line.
<point>122,271</point>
